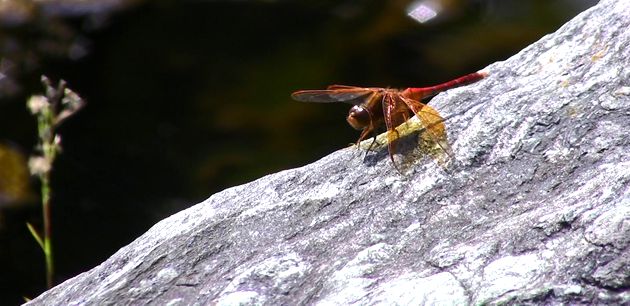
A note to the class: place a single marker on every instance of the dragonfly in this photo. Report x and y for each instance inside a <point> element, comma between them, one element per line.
<point>375,106</point>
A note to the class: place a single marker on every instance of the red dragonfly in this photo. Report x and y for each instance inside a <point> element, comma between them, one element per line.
<point>372,106</point>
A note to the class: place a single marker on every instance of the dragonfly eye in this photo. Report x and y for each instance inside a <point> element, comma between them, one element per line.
<point>358,117</point>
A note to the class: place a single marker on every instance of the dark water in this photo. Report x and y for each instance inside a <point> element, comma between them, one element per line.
<point>186,98</point>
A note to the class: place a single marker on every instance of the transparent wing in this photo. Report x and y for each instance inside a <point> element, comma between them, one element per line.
<point>334,93</point>
<point>434,129</point>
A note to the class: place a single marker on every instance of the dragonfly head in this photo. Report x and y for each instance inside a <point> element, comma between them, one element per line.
<point>359,117</point>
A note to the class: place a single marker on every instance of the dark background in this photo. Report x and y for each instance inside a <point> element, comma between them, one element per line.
<point>186,98</point>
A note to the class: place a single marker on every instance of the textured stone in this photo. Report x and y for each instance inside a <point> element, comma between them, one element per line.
<point>533,208</point>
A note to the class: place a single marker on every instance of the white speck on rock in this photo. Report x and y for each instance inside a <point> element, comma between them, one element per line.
<point>326,191</point>
<point>166,275</point>
<point>413,227</point>
<point>556,154</point>
<point>278,271</point>
<point>622,91</point>
<point>412,289</point>
<point>612,227</point>
<point>573,289</point>
<point>238,298</point>
<point>349,285</point>
<point>507,274</point>
<point>174,302</point>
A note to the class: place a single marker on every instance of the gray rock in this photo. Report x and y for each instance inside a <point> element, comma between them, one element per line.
<point>533,208</point>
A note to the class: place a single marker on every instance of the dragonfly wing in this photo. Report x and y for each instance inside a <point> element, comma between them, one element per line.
<point>335,87</point>
<point>432,123</point>
<point>347,94</point>
<point>429,117</point>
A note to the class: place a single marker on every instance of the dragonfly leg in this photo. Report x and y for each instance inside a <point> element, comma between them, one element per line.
<point>371,144</point>
<point>391,145</point>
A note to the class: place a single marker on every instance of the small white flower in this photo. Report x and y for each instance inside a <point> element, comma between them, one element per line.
<point>57,141</point>
<point>38,165</point>
<point>37,104</point>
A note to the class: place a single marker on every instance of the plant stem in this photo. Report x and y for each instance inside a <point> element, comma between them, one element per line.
<point>58,104</point>
<point>49,150</point>
<point>46,211</point>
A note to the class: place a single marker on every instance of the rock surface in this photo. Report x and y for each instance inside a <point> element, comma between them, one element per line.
<point>534,207</point>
